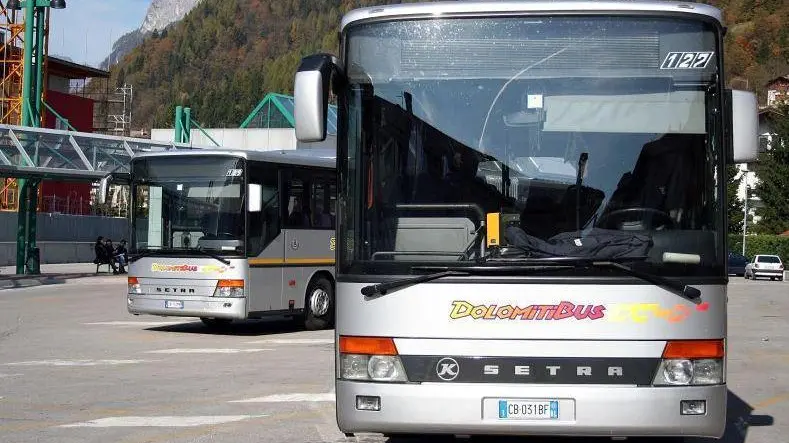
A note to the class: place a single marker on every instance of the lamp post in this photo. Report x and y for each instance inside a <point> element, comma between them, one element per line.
<point>32,90</point>
<point>745,210</point>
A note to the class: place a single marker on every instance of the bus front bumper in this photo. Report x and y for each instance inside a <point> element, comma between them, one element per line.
<point>231,308</point>
<point>471,409</point>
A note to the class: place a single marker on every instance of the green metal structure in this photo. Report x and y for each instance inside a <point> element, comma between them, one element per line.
<point>183,126</point>
<point>27,260</point>
<point>276,111</point>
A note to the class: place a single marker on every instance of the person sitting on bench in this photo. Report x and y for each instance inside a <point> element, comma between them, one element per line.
<point>102,255</point>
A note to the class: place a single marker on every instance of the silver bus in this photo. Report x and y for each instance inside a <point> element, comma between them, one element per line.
<point>532,216</point>
<point>225,235</point>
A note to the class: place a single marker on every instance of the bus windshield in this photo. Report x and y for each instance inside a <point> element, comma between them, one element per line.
<point>586,143</point>
<point>182,203</point>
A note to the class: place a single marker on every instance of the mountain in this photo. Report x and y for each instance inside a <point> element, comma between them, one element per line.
<point>225,55</point>
<point>160,15</point>
<point>123,46</point>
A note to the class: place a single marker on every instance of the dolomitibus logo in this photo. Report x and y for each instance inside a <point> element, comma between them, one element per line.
<point>206,269</point>
<point>156,267</point>
<point>563,310</point>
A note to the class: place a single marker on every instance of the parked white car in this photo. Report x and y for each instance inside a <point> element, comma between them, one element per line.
<point>765,266</point>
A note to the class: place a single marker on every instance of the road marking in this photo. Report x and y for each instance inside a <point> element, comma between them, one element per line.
<point>289,398</point>
<point>208,351</point>
<point>137,323</point>
<point>10,375</point>
<point>162,421</point>
<point>294,341</point>
<point>76,362</point>
<point>772,401</point>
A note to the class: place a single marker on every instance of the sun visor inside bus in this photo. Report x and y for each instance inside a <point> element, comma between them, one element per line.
<point>680,112</point>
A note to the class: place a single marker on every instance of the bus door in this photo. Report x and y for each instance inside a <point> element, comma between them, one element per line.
<point>266,242</point>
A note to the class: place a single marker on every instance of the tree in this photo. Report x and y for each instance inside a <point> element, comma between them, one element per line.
<point>734,207</point>
<point>773,172</point>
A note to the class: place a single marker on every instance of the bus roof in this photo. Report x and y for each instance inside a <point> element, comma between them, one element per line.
<point>319,157</point>
<point>508,7</point>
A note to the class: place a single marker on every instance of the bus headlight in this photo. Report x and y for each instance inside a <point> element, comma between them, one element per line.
<point>229,289</point>
<point>677,372</point>
<point>691,363</point>
<point>372,368</point>
<point>370,359</point>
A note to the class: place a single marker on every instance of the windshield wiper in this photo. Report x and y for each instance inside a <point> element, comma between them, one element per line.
<point>443,271</point>
<point>538,264</point>
<point>142,254</point>
<point>684,291</point>
<point>383,288</point>
<point>212,255</point>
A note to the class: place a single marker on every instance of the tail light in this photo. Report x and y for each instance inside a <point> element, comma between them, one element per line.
<point>691,363</point>
<point>134,286</point>
<point>370,359</point>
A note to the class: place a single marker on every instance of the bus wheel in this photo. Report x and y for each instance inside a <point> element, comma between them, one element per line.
<point>215,322</point>
<point>319,305</point>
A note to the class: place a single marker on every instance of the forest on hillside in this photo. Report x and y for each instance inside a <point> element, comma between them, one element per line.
<point>224,56</point>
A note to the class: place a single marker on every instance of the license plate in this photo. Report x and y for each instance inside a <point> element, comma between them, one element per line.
<point>528,410</point>
<point>173,304</point>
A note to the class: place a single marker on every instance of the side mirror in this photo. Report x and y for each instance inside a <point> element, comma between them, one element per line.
<point>104,188</point>
<point>311,96</point>
<point>744,113</point>
<point>254,197</point>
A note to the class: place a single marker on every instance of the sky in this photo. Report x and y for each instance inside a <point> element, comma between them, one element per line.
<point>86,29</point>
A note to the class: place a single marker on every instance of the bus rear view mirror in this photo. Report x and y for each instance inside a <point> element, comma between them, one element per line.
<point>744,126</point>
<point>311,96</point>
<point>254,197</point>
<point>104,188</point>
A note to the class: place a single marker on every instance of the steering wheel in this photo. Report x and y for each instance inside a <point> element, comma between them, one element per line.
<point>631,214</point>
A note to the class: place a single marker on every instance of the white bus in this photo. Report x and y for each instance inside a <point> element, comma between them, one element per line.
<point>229,234</point>
<point>532,216</point>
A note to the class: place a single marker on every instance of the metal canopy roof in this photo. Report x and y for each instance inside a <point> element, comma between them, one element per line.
<point>48,153</point>
<point>276,111</point>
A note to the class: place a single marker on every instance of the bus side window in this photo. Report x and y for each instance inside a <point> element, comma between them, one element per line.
<point>264,226</point>
<point>320,202</point>
<point>298,209</point>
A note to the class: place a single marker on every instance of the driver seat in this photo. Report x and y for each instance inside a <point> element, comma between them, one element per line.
<point>663,179</point>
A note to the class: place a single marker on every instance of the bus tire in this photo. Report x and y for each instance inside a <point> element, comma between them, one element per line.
<point>215,322</point>
<point>319,304</point>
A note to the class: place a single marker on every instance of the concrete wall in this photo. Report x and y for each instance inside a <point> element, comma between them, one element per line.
<point>259,139</point>
<point>61,238</point>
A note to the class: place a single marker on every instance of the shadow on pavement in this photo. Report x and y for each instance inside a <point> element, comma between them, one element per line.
<point>241,328</point>
<point>27,281</point>
<point>738,420</point>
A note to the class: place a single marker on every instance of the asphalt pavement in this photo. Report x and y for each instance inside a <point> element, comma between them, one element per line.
<point>76,367</point>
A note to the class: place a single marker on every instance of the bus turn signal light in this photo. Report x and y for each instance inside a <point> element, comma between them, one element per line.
<point>367,346</point>
<point>230,284</point>
<point>693,349</point>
